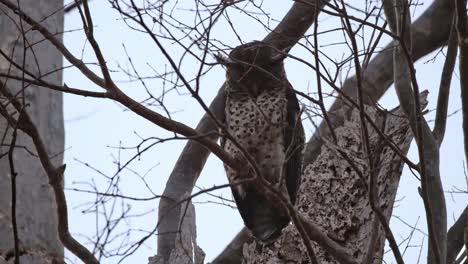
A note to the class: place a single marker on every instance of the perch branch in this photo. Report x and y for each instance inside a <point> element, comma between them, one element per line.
<point>429,32</point>
<point>190,163</point>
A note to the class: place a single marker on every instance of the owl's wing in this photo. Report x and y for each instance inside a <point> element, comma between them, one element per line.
<point>261,217</point>
<point>294,143</point>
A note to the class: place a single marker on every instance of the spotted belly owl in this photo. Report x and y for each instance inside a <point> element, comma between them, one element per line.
<point>262,115</point>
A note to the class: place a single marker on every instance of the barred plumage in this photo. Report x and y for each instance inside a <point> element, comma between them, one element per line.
<point>262,114</point>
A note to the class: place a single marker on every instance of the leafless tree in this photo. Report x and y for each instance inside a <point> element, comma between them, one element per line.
<point>353,161</point>
<point>26,202</point>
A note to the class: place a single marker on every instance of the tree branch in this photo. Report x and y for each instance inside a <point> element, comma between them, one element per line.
<point>407,90</point>
<point>193,157</point>
<point>455,237</point>
<point>233,252</point>
<point>330,178</point>
<point>444,87</point>
<point>462,30</point>
<point>55,175</point>
<point>13,176</point>
<point>429,32</point>
<point>116,94</point>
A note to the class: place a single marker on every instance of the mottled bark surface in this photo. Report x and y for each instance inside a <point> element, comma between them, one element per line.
<point>193,157</point>
<point>429,32</point>
<point>335,197</point>
<point>36,213</point>
<point>186,250</point>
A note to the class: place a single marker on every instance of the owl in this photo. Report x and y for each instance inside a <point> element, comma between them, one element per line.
<point>263,116</point>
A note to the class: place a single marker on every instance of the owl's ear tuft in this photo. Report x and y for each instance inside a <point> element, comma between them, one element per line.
<point>223,60</point>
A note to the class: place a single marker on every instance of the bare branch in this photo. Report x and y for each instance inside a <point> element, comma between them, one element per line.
<point>117,94</point>
<point>444,87</point>
<point>233,252</point>
<point>294,25</point>
<point>455,237</point>
<point>55,175</point>
<point>465,236</point>
<point>193,157</point>
<point>329,178</point>
<point>460,259</point>
<point>72,6</point>
<point>332,247</point>
<point>407,90</point>
<point>13,176</point>
<point>373,191</point>
<point>429,32</point>
<point>462,30</point>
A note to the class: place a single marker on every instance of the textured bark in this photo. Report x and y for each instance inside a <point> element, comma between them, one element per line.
<point>334,196</point>
<point>429,32</point>
<point>407,88</point>
<point>186,250</point>
<point>36,210</point>
<point>193,157</point>
<point>232,254</point>
<point>183,178</point>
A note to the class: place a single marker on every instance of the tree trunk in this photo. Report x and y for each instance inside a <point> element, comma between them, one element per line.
<point>35,205</point>
<point>336,198</point>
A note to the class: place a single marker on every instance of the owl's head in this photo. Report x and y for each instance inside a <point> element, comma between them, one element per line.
<point>254,65</point>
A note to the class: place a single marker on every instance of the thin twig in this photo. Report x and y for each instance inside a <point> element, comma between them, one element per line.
<point>13,175</point>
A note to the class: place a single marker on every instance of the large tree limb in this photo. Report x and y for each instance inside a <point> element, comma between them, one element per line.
<point>462,30</point>
<point>193,157</point>
<point>444,87</point>
<point>233,252</point>
<point>186,250</point>
<point>407,89</point>
<point>429,32</point>
<point>333,195</point>
<point>183,178</point>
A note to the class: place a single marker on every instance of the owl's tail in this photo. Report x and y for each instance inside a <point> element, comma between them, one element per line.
<point>262,216</point>
<point>268,228</point>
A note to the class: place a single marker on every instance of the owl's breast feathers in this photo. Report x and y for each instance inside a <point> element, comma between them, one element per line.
<point>268,128</point>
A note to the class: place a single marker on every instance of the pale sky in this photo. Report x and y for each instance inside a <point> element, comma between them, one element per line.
<point>94,127</point>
